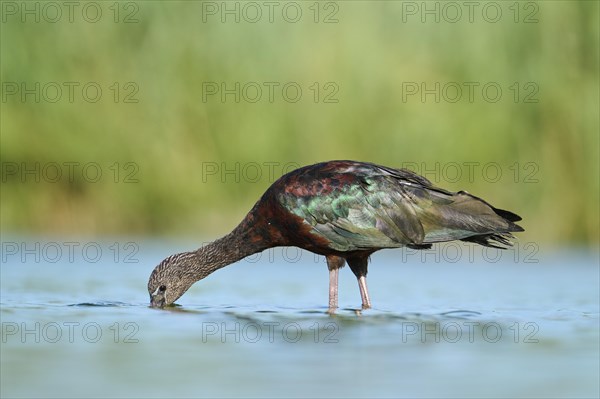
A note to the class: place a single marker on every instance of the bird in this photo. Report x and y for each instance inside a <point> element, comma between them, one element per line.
<point>343,210</point>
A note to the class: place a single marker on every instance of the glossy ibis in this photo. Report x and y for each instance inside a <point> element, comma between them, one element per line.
<point>345,211</point>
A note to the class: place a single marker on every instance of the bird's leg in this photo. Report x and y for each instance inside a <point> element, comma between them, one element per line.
<point>334,263</point>
<point>333,289</point>
<point>364,293</point>
<point>359,268</point>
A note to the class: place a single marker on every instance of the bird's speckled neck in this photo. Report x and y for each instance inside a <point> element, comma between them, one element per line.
<point>226,250</point>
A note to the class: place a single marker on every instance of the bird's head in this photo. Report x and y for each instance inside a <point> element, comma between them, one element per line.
<point>171,279</point>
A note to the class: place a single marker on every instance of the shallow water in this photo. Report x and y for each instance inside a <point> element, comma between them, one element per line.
<point>457,322</point>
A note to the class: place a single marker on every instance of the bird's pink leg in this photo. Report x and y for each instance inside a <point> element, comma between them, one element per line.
<point>334,263</point>
<point>333,289</point>
<point>359,264</point>
<point>364,292</point>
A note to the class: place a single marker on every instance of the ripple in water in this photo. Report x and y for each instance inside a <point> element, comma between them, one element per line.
<point>108,304</point>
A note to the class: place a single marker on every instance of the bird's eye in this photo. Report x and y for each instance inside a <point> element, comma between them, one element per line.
<point>162,288</point>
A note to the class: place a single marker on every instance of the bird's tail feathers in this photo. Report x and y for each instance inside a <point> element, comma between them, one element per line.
<point>495,240</point>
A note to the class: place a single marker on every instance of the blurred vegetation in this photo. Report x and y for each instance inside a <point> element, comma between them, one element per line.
<point>167,141</point>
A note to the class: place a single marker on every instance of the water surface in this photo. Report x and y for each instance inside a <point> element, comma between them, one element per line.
<point>447,324</point>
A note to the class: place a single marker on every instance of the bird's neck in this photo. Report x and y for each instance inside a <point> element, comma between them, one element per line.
<point>237,245</point>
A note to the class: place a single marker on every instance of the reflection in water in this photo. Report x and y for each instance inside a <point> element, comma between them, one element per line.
<point>101,304</point>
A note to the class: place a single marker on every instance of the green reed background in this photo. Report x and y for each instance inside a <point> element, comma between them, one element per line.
<point>365,55</point>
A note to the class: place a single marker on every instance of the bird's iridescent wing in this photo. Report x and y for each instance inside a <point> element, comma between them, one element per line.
<point>369,207</point>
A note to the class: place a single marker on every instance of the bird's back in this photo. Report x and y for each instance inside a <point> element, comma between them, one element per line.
<point>345,206</point>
